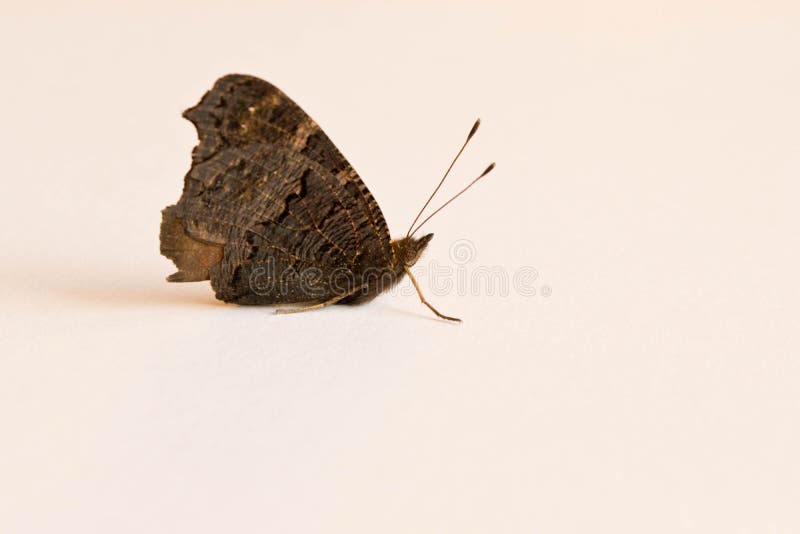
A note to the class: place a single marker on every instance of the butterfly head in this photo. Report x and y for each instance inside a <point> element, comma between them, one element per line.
<point>409,249</point>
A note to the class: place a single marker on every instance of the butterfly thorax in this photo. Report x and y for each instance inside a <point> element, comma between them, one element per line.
<point>405,253</point>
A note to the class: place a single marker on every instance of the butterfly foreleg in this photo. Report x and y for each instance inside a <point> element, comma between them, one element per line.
<point>425,302</point>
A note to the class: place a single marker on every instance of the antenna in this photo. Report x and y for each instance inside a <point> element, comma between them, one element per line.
<point>440,208</point>
<point>471,133</point>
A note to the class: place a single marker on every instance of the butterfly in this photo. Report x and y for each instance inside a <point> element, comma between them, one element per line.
<point>272,213</point>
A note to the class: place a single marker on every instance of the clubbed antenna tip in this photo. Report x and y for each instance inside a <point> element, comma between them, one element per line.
<point>474,129</point>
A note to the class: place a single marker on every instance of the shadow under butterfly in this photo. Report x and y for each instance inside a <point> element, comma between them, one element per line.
<point>272,213</point>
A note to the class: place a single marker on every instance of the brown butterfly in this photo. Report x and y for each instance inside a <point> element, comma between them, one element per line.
<point>272,213</point>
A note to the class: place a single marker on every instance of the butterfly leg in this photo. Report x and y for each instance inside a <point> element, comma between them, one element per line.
<point>425,302</point>
<point>317,306</point>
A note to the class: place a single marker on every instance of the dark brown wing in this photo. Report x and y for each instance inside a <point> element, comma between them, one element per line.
<point>269,199</point>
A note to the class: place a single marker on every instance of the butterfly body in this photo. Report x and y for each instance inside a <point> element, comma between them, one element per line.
<point>271,212</point>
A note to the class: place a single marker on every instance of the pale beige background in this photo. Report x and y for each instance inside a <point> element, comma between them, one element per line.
<point>648,168</point>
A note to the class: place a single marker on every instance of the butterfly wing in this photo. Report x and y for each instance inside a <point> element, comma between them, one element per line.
<point>271,211</point>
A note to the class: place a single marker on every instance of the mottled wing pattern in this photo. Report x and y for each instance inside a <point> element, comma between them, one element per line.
<point>269,204</point>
